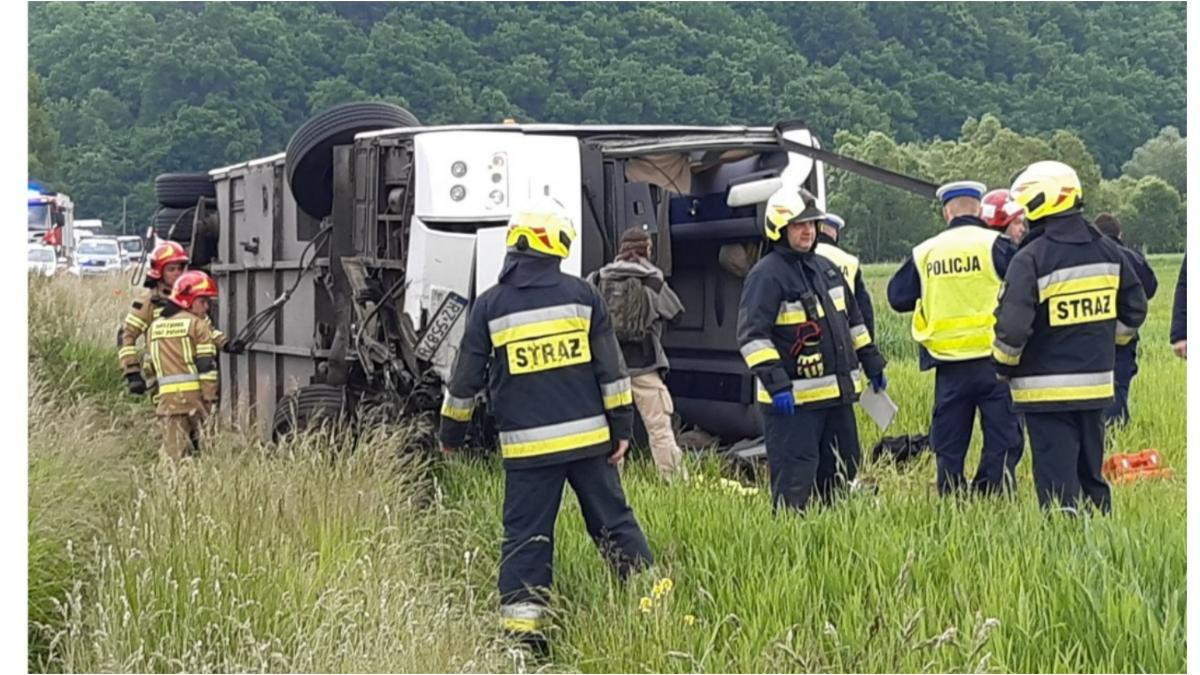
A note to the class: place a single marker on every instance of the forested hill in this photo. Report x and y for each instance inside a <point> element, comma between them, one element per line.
<point>131,90</point>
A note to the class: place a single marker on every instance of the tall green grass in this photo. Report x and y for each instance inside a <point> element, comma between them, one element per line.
<point>901,581</point>
<point>310,558</point>
<point>302,558</point>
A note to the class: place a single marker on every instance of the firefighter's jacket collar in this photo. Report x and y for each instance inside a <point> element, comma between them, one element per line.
<point>1070,229</point>
<point>526,271</point>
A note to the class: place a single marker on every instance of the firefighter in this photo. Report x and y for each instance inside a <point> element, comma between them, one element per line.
<point>1179,314</point>
<point>1068,299</point>
<point>181,345</point>
<point>1126,355</point>
<point>1002,214</point>
<point>802,335</point>
<point>167,262</point>
<point>831,232</point>
<point>541,343</point>
<point>950,283</point>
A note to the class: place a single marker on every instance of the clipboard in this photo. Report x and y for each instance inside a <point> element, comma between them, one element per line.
<point>879,406</point>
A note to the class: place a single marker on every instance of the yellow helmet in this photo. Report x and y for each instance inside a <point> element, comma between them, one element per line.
<point>789,205</point>
<point>542,226</point>
<point>1046,188</point>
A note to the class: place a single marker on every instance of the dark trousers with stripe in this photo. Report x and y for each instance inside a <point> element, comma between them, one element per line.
<point>1068,453</point>
<point>813,450</point>
<point>959,390</point>
<point>1124,369</point>
<point>531,501</point>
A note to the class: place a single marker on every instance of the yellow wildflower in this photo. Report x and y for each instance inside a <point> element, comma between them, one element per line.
<point>646,605</point>
<point>662,587</point>
<point>689,619</point>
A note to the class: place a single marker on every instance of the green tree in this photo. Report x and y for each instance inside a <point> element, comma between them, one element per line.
<point>43,138</point>
<point>882,223</point>
<point>1164,156</point>
<point>1157,216</point>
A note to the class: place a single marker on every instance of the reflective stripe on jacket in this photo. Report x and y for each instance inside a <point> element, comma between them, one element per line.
<point>541,344</point>
<point>1068,299</point>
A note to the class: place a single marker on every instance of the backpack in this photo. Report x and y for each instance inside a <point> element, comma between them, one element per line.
<point>627,308</point>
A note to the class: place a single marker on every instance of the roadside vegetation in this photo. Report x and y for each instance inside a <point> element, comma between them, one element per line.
<point>305,557</point>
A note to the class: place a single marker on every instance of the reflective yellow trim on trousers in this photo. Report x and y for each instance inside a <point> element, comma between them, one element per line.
<point>519,625</point>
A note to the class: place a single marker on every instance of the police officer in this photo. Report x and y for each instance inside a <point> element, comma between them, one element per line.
<point>1069,297</point>
<point>1126,355</point>
<point>831,232</point>
<point>185,359</point>
<point>541,343</point>
<point>950,283</point>
<point>801,333</point>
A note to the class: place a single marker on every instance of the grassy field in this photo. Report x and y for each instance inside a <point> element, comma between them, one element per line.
<point>304,558</point>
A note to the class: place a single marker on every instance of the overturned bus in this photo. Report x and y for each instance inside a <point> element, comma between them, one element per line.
<point>347,265</point>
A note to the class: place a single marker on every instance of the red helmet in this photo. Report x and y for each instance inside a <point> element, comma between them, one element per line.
<point>191,285</point>
<point>999,211</point>
<point>164,254</point>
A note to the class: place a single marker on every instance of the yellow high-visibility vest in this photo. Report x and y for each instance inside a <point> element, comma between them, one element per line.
<point>953,318</point>
<point>845,262</point>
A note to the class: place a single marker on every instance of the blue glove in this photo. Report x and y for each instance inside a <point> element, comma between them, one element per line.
<point>784,402</point>
<point>879,382</point>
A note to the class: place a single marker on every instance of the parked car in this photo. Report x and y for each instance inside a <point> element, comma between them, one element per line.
<point>42,260</point>
<point>97,255</point>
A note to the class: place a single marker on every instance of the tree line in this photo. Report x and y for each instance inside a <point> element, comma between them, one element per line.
<point>120,92</point>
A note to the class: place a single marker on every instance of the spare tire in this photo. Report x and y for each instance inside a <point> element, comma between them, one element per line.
<point>311,407</point>
<point>181,190</point>
<point>309,163</point>
<point>181,219</point>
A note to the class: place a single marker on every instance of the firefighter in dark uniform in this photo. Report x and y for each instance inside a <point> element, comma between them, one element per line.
<point>1126,356</point>
<point>828,237</point>
<point>950,283</point>
<point>1069,298</point>
<point>801,333</point>
<point>541,344</point>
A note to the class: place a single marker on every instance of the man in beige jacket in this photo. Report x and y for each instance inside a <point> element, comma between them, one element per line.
<point>640,302</point>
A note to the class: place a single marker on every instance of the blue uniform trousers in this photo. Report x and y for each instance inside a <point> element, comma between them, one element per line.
<point>959,390</point>
<point>812,450</point>
<point>531,500</point>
